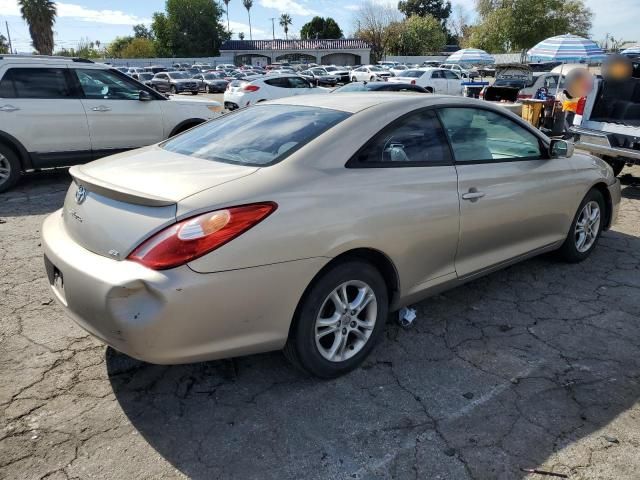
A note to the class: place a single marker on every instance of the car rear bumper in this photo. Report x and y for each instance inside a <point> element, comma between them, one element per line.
<point>599,144</point>
<point>176,315</point>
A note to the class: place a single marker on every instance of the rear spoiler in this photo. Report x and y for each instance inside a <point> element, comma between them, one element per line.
<point>115,191</point>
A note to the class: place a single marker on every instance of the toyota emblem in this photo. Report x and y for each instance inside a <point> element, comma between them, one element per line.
<point>81,194</point>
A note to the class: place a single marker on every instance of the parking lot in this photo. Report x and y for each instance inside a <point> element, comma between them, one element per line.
<point>536,366</point>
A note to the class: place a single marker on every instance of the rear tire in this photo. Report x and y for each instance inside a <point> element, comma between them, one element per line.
<point>173,89</point>
<point>617,164</point>
<point>585,229</point>
<point>194,93</point>
<point>429,90</point>
<point>10,169</point>
<point>324,322</point>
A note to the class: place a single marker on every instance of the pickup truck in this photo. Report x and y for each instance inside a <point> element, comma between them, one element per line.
<point>607,120</point>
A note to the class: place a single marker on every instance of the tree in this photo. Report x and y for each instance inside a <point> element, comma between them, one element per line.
<point>142,31</point>
<point>226,9</point>
<point>416,36</point>
<point>188,28</point>
<point>458,24</point>
<point>372,25</point>
<point>320,27</point>
<point>117,47</point>
<point>4,44</point>
<point>440,9</point>
<point>248,4</point>
<point>40,15</point>
<point>241,35</point>
<point>512,25</point>
<point>139,48</point>
<point>285,21</point>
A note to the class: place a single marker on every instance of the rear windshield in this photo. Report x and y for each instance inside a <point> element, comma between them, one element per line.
<point>413,73</point>
<point>176,75</point>
<point>352,87</point>
<point>256,136</point>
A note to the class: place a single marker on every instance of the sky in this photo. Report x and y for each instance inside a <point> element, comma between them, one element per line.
<point>88,19</point>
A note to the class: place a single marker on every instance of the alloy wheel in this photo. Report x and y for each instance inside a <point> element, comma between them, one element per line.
<point>587,227</point>
<point>346,321</point>
<point>5,169</point>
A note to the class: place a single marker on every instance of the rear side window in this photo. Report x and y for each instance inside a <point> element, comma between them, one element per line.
<point>281,82</point>
<point>256,136</point>
<point>415,140</point>
<point>35,83</point>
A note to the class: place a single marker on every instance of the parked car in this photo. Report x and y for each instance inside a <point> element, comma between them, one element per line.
<point>379,87</point>
<point>144,78</point>
<point>387,65</point>
<point>341,73</point>
<point>225,66</point>
<point>57,112</point>
<point>516,82</point>
<point>326,211</point>
<point>210,83</point>
<point>434,80</point>
<point>369,73</point>
<point>242,93</point>
<point>317,77</point>
<point>607,120</point>
<point>461,71</point>
<point>132,70</point>
<point>175,82</point>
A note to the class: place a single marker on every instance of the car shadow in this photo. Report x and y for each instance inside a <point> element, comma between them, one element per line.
<point>494,376</point>
<point>36,193</point>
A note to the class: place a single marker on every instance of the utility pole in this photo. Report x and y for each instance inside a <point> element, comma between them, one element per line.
<point>273,27</point>
<point>9,37</point>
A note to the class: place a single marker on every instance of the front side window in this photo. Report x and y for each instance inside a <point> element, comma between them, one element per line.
<point>450,75</point>
<point>482,135</point>
<point>415,140</point>
<point>257,136</point>
<point>106,85</point>
<point>297,82</point>
<point>35,83</point>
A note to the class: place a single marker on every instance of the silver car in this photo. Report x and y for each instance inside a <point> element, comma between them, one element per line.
<point>300,223</point>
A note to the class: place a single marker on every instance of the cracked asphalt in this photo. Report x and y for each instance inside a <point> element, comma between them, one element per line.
<point>536,366</point>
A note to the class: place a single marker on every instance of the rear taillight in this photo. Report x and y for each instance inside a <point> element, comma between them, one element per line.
<point>413,82</point>
<point>580,107</point>
<point>250,88</point>
<point>196,236</point>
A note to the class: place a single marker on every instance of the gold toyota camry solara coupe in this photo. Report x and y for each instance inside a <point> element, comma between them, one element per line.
<point>299,224</point>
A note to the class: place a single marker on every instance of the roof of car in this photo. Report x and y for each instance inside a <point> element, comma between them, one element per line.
<point>354,102</point>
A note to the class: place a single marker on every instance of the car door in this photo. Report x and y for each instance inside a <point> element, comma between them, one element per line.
<point>41,108</point>
<point>438,81</point>
<point>117,118</point>
<point>513,196</point>
<point>161,82</point>
<point>454,83</point>
<point>409,164</point>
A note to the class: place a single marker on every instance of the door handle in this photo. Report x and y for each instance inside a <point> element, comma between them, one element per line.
<point>101,108</point>
<point>473,195</point>
<point>8,108</point>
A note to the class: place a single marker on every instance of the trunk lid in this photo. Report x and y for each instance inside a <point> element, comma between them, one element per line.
<point>115,203</point>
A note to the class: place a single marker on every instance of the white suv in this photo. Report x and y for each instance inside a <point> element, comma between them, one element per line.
<point>57,111</point>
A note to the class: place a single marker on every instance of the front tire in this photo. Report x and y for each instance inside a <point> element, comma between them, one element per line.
<point>173,89</point>
<point>339,320</point>
<point>10,170</point>
<point>585,229</point>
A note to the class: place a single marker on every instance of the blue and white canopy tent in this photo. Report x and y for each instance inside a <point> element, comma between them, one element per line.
<point>567,48</point>
<point>470,56</point>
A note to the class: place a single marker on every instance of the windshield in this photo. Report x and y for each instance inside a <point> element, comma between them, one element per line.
<point>210,76</point>
<point>352,87</point>
<point>376,69</point>
<point>256,136</point>
<point>331,69</point>
<point>177,75</point>
<point>413,73</point>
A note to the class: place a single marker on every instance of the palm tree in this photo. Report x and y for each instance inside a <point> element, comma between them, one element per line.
<point>226,7</point>
<point>40,15</point>
<point>241,35</point>
<point>285,21</point>
<point>248,4</point>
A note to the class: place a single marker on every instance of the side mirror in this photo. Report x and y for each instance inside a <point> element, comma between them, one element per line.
<point>144,96</point>
<point>561,149</point>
